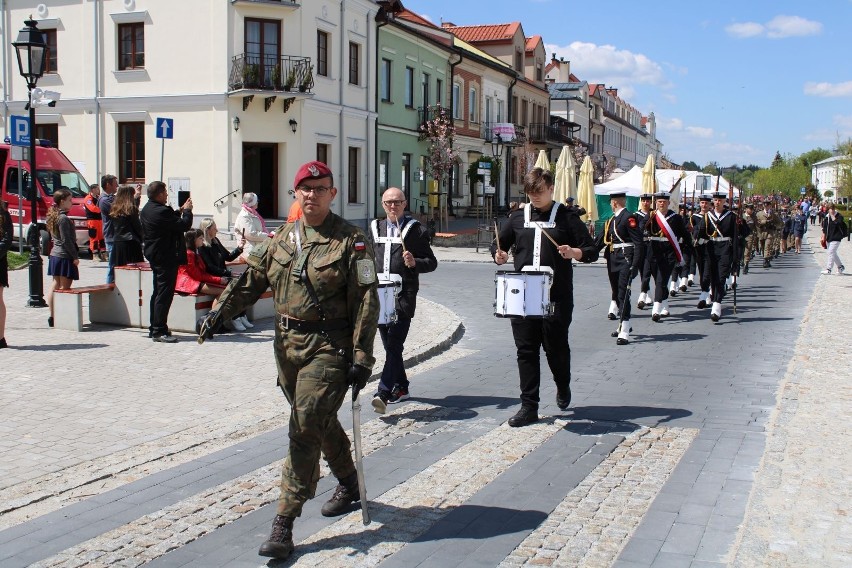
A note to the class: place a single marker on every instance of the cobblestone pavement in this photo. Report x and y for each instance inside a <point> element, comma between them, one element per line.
<point>692,446</point>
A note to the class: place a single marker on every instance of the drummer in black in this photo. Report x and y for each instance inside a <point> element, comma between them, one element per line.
<point>717,227</point>
<point>623,244</point>
<point>533,250</point>
<point>668,237</point>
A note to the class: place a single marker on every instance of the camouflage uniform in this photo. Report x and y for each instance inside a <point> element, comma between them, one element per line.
<point>311,370</point>
<point>751,239</point>
<point>768,226</point>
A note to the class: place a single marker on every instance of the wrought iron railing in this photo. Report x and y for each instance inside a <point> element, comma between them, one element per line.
<point>429,113</point>
<point>489,129</point>
<point>284,73</point>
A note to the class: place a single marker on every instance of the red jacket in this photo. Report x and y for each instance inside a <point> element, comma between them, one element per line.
<point>192,274</point>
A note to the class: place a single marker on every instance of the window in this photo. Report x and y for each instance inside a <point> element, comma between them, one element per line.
<point>322,153</point>
<point>48,132</point>
<point>131,46</point>
<point>424,84</point>
<point>457,101</point>
<point>353,175</point>
<point>538,72</point>
<point>439,91</point>
<point>354,57</point>
<point>322,53</point>
<point>385,81</point>
<point>406,177</point>
<point>489,106</point>
<point>50,65</point>
<point>409,87</point>
<point>131,152</point>
<point>519,61</point>
<point>499,111</point>
<point>262,48</point>
<point>472,106</point>
<point>384,165</point>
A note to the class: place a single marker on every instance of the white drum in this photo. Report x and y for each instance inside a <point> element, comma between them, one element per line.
<point>523,294</point>
<point>388,291</point>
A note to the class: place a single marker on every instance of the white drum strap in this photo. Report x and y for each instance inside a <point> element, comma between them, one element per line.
<point>539,226</point>
<point>387,241</point>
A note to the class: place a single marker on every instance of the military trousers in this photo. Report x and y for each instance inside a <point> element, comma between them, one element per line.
<point>315,387</point>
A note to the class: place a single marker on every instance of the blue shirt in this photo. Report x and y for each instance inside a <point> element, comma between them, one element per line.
<point>105,204</point>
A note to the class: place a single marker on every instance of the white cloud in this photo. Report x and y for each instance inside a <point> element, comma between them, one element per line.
<point>700,131</point>
<point>829,89</point>
<point>606,64</point>
<point>777,28</point>
<point>669,124</point>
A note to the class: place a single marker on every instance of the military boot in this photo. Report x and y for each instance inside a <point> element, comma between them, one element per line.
<point>280,542</point>
<point>345,494</point>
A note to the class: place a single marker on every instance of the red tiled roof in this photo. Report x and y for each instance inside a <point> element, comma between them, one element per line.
<point>407,14</point>
<point>484,33</point>
<point>532,42</point>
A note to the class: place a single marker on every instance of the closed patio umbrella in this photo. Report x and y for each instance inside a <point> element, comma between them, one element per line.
<point>542,161</point>
<point>586,190</point>
<point>566,172</point>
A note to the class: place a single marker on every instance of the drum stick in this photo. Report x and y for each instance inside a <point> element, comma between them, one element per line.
<point>497,235</point>
<point>550,238</point>
<point>399,230</point>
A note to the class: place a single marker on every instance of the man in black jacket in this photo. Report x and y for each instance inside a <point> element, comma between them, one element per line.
<point>402,251</point>
<point>162,230</point>
<point>524,230</point>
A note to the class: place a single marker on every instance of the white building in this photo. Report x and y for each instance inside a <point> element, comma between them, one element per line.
<point>828,174</point>
<point>219,71</point>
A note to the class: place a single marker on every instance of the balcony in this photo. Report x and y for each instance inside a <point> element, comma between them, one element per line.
<point>546,133</point>
<point>285,74</point>
<point>510,134</point>
<point>430,113</point>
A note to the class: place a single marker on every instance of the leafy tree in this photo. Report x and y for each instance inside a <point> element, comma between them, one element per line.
<point>441,156</point>
<point>691,166</point>
<point>777,161</point>
<point>786,176</point>
<point>844,186</point>
<point>811,157</point>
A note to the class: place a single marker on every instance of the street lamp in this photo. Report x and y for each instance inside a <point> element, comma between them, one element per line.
<point>31,48</point>
<point>497,152</point>
<point>601,163</point>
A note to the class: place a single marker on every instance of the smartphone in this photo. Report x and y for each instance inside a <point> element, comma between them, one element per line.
<point>182,197</point>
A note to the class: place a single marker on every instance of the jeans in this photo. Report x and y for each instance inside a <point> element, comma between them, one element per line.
<point>833,258</point>
<point>110,263</point>
<point>393,339</point>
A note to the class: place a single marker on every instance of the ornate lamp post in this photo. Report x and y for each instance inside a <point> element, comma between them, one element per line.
<point>497,152</point>
<point>31,48</point>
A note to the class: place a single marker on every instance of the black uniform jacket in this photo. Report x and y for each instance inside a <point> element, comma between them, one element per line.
<point>569,230</point>
<point>664,249</point>
<point>417,243</point>
<point>623,229</point>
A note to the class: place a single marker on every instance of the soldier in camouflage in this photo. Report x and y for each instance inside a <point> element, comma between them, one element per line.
<point>768,226</point>
<point>751,239</point>
<point>323,277</point>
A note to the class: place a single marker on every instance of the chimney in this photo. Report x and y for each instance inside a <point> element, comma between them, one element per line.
<point>564,71</point>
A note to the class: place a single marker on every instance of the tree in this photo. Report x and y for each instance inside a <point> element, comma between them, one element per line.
<point>691,166</point>
<point>844,185</point>
<point>811,157</point>
<point>440,157</point>
<point>777,161</point>
<point>786,177</point>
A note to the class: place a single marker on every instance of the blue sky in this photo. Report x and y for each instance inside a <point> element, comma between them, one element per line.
<point>729,81</point>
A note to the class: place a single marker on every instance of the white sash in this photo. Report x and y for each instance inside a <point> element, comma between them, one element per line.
<point>388,242</point>
<point>539,226</point>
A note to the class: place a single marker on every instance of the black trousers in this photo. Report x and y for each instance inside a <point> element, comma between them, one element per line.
<point>719,257</point>
<point>552,334</point>
<point>704,275</point>
<point>646,270</point>
<point>618,281</point>
<point>393,339</point>
<point>661,268</point>
<point>165,278</point>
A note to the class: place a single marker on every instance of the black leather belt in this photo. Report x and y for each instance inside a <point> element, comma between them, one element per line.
<point>288,322</point>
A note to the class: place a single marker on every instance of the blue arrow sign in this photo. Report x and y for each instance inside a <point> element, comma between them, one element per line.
<point>20,131</point>
<point>165,128</point>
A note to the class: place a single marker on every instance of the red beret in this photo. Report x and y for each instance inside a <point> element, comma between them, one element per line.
<point>311,170</point>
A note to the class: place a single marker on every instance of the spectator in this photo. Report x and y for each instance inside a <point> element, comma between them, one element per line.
<point>5,242</point>
<point>63,261</point>
<point>95,223</point>
<point>250,221</point>
<point>833,231</point>
<point>126,227</point>
<point>162,233</point>
<point>109,185</point>
<point>800,225</point>
<point>215,255</point>
<point>192,277</point>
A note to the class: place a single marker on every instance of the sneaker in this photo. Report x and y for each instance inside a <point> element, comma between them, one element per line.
<point>164,339</point>
<point>50,321</point>
<point>245,321</point>
<point>380,401</point>
<point>237,325</point>
<point>345,494</point>
<point>826,271</point>
<point>841,269</point>
<point>398,394</point>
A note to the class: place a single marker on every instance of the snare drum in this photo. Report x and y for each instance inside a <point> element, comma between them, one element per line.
<point>522,294</point>
<point>388,291</point>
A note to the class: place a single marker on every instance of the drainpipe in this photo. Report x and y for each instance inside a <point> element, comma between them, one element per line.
<point>508,163</point>
<point>5,76</point>
<point>369,158</point>
<point>97,69</point>
<point>452,117</point>
<point>376,95</point>
<point>340,102</point>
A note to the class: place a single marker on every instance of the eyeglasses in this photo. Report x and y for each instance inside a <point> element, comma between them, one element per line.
<point>393,202</point>
<point>319,190</point>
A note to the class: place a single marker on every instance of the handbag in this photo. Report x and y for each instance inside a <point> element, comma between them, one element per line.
<point>823,242</point>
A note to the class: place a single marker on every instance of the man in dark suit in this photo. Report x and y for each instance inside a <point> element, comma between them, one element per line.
<point>162,231</point>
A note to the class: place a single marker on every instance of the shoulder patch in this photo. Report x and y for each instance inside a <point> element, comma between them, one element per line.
<point>360,246</point>
<point>366,271</point>
<point>632,222</point>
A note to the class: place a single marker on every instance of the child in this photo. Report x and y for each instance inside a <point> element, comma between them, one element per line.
<point>64,259</point>
<point>193,277</point>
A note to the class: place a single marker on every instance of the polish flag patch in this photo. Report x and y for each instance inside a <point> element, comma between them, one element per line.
<point>632,222</point>
<point>360,246</point>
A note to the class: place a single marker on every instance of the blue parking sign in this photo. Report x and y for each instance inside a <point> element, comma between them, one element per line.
<point>165,128</point>
<point>20,130</point>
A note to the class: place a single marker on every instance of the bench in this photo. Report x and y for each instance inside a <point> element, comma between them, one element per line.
<point>187,309</point>
<point>68,305</point>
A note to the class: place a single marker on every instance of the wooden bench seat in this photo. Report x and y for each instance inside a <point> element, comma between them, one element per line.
<point>68,304</point>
